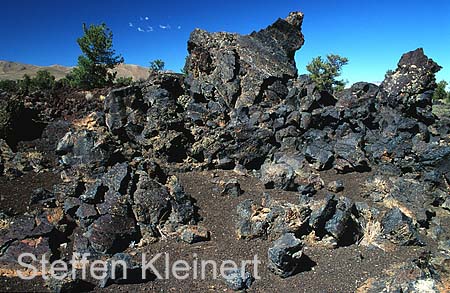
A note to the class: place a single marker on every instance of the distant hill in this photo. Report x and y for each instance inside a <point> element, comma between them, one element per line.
<point>15,70</point>
<point>135,71</point>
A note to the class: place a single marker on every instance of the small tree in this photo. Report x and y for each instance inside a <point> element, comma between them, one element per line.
<point>184,70</point>
<point>388,73</point>
<point>440,92</point>
<point>43,80</point>
<point>24,85</point>
<point>325,72</point>
<point>156,65</point>
<point>63,83</point>
<point>98,58</point>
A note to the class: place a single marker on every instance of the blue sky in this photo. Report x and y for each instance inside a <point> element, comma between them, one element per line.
<point>372,34</point>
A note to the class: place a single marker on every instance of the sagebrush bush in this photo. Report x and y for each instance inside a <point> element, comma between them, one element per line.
<point>124,81</point>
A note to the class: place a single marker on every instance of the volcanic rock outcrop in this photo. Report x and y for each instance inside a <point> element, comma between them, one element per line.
<point>236,71</point>
<point>242,105</point>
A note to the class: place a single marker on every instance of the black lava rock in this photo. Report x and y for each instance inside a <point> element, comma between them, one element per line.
<point>284,255</point>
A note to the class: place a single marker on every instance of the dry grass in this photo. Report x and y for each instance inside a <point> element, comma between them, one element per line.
<point>294,217</point>
<point>372,232</point>
<point>444,285</point>
<point>89,122</point>
<point>34,155</point>
<point>378,185</point>
<point>15,273</point>
<point>4,224</point>
<point>366,286</point>
<point>383,188</point>
<point>55,215</point>
<point>391,203</point>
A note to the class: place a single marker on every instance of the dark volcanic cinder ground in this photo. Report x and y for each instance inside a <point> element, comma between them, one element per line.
<point>15,194</point>
<point>336,270</point>
<point>119,173</point>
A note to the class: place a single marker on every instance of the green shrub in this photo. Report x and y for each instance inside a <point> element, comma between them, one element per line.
<point>156,66</point>
<point>62,83</point>
<point>124,81</point>
<point>24,85</point>
<point>10,112</point>
<point>325,72</point>
<point>43,81</point>
<point>440,93</point>
<point>9,86</point>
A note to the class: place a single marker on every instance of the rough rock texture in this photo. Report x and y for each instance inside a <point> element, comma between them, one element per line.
<point>240,70</point>
<point>18,122</point>
<point>416,276</point>
<point>242,107</point>
<point>232,188</point>
<point>284,255</point>
<point>399,228</point>
<point>84,147</point>
<point>279,176</point>
<point>238,280</point>
<point>336,217</point>
<point>193,234</point>
<point>336,186</point>
<point>410,87</point>
<point>271,219</point>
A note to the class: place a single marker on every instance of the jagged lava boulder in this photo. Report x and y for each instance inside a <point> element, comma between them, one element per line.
<point>236,69</point>
<point>410,87</point>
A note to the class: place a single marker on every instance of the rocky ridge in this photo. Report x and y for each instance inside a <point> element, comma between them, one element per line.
<point>242,106</point>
